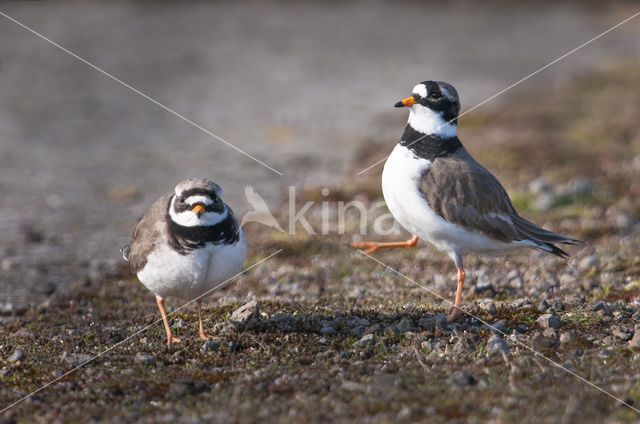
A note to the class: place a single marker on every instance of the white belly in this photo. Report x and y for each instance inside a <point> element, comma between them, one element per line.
<point>401,181</point>
<point>168,273</point>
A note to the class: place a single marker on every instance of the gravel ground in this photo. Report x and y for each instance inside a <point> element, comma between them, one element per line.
<point>327,334</point>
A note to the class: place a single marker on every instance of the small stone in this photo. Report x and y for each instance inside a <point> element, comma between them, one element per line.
<point>406,414</point>
<point>462,379</point>
<point>17,355</point>
<point>426,346</point>
<point>245,314</point>
<point>548,321</point>
<point>634,343</point>
<point>556,305</point>
<point>587,263</point>
<point>602,308</point>
<point>549,332</point>
<point>182,388</point>
<point>211,346</point>
<point>539,341</point>
<point>567,337</point>
<point>366,340</point>
<point>76,359</point>
<point>357,331</point>
<point>47,288</point>
<point>327,331</point>
<point>496,345</point>
<point>57,373</point>
<point>497,328</point>
<point>23,333</point>
<point>621,332</point>
<point>403,326</point>
<point>488,305</point>
<point>375,328</point>
<point>431,323</point>
<point>544,305</point>
<point>144,358</point>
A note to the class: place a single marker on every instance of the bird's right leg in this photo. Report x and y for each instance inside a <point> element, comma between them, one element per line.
<point>372,246</point>
<point>163,312</point>
<point>456,312</point>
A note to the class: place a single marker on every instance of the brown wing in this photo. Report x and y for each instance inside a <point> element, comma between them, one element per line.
<point>463,192</point>
<point>148,233</point>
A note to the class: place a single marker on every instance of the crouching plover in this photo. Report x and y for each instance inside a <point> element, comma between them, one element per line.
<point>186,244</point>
<point>439,193</point>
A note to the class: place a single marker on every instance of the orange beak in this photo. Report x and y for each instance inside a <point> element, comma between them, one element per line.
<point>198,210</point>
<point>408,102</point>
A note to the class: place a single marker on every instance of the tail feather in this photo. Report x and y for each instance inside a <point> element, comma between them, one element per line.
<point>544,238</point>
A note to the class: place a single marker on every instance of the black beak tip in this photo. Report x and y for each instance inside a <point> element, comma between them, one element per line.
<point>398,104</point>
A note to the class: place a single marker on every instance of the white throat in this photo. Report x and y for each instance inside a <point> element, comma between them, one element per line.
<point>190,219</point>
<point>427,121</point>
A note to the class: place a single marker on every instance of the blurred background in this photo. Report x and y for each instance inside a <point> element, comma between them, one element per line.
<point>302,86</point>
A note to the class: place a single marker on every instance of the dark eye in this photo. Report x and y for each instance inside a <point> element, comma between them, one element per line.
<point>435,95</point>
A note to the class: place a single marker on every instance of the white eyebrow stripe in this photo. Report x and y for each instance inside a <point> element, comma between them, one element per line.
<point>198,199</point>
<point>420,90</point>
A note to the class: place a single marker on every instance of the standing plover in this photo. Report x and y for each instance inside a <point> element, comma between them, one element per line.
<point>439,193</point>
<point>186,244</point>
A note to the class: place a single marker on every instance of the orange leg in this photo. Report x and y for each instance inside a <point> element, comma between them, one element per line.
<point>456,312</point>
<point>201,332</point>
<point>163,312</point>
<point>372,246</point>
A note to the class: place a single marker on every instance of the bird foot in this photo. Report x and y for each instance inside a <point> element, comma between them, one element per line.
<point>205,336</point>
<point>454,315</point>
<point>370,246</point>
<point>172,339</point>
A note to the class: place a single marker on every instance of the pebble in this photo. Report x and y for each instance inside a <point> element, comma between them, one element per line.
<point>621,332</point>
<point>548,321</point>
<point>327,331</point>
<point>497,328</point>
<point>430,324</point>
<point>585,264</point>
<point>603,308</point>
<point>23,333</point>
<point>57,373</point>
<point>245,314</point>
<point>634,343</point>
<point>488,305</point>
<point>539,341</point>
<point>462,379</point>
<point>357,331</point>
<point>403,326</point>
<point>496,345</point>
<point>182,388</point>
<point>144,358</point>
<point>211,346</point>
<point>366,340</point>
<point>567,337</point>
<point>17,355</point>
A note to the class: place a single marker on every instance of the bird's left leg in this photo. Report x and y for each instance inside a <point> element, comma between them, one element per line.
<point>201,332</point>
<point>456,312</point>
<point>372,246</point>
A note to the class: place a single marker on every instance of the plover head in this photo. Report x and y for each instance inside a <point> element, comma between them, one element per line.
<point>433,107</point>
<point>197,202</point>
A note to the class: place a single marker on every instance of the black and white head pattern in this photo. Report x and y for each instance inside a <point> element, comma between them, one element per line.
<point>197,215</point>
<point>436,108</point>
